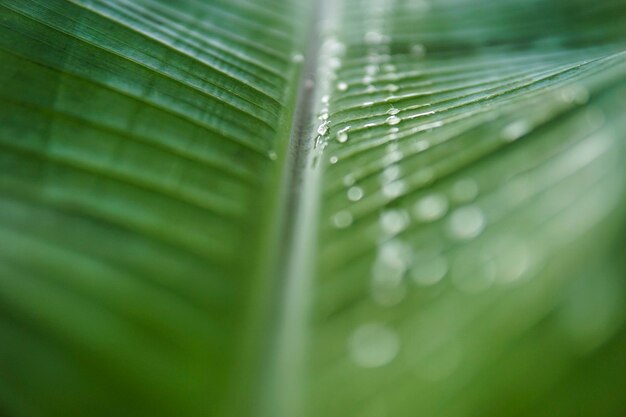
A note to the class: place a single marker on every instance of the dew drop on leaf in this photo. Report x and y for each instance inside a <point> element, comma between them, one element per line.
<point>355,193</point>
<point>342,219</point>
<point>371,69</point>
<point>323,128</point>
<point>388,295</point>
<point>393,189</point>
<point>392,88</point>
<point>373,38</point>
<point>373,345</point>
<point>577,94</point>
<point>387,286</point>
<point>368,79</point>
<point>431,207</point>
<point>349,180</point>
<point>394,221</point>
<point>466,222</point>
<point>421,145</point>
<point>515,130</point>
<point>465,190</point>
<point>392,157</point>
<point>342,135</point>
<point>429,270</point>
<point>389,174</point>
<point>418,50</point>
<point>393,120</point>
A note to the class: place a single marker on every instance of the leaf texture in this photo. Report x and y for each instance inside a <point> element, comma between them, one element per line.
<point>472,201</point>
<point>137,138</point>
<point>420,213</point>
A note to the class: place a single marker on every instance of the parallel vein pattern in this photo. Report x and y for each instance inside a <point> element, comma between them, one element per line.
<point>137,141</point>
<point>472,203</point>
<point>468,247</point>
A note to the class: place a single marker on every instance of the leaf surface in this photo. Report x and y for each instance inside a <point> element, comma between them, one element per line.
<point>289,208</point>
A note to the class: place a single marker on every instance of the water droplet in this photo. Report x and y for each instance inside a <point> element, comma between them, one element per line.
<point>393,120</point>
<point>387,286</point>
<point>342,86</point>
<point>392,157</point>
<point>466,222</point>
<point>333,160</point>
<point>373,38</point>
<point>515,130</point>
<point>368,79</point>
<point>342,219</point>
<point>325,99</point>
<point>392,172</point>
<point>429,271</point>
<point>272,155</point>
<point>392,88</point>
<point>387,274</point>
<point>512,258</point>
<point>465,190</point>
<point>421,145</point>
<point>394,221</point>
<point>349,180</point>
<point>323,128</point>
<point>387,294</point>
<point>393,111</point>
<point>396,254</point>
<point>355,193</point>
<point>418,50</point>
<point>371,69</point>
<point>373,345</point>
<point>393,189</point>
<point>431,207</point>
<point>334,63</point>
<point>342,135</point>
<point>297,58</point>
<point>576,94</point>
<point>424,176</point>
<point>367,104</point>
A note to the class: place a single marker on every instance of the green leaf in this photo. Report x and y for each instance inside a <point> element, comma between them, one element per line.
<point>289,208</point>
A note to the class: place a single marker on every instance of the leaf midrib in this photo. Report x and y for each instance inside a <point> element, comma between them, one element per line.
<point>278,307</point>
